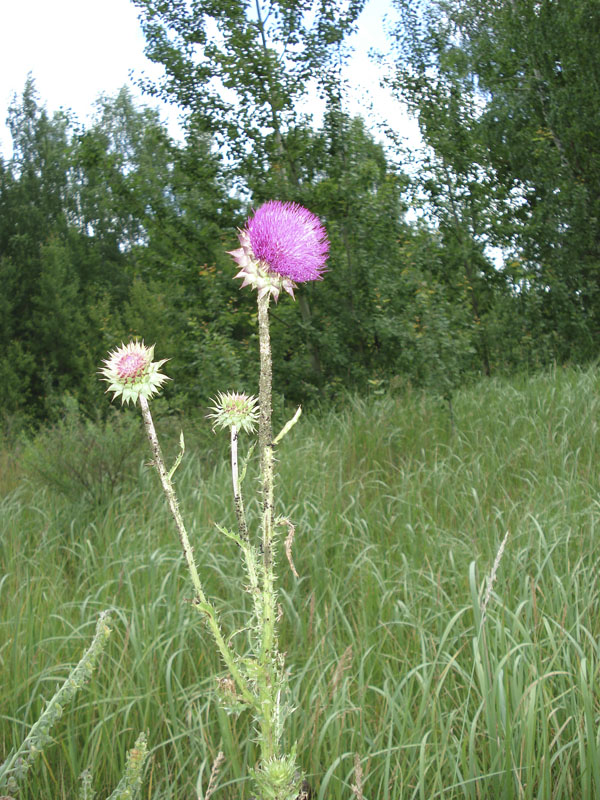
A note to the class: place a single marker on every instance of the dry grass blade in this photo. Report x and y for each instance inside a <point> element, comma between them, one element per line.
<point>492,577</point>
<point>289,541</point>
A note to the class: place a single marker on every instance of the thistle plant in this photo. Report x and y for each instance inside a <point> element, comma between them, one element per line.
<point>14,770</point>
<point>282,245</point>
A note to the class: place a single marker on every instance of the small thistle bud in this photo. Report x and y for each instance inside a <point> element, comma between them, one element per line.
<point>277,778</point>
<point>131,373</point>
<point>283,244</point>
<point>231,409</point>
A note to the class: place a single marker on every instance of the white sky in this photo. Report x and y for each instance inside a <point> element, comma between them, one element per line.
<point>79,49</point>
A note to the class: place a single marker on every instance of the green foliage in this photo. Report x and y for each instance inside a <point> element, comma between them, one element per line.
<point>505,97</point>
<point>360,195</point>
<point>398,523</point>
<point>240,69</point>
<point>137,248</point>
<point>85,459</point>
<point>114,231</point>
<point>102,235</point>
<point>440,333</point>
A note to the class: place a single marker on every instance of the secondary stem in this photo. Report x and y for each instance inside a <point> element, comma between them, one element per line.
<point>248,550</point>
<point>237,493</point>
<point>202,601</point>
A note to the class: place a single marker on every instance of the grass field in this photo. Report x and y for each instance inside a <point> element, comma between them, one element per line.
<point>399,521</point>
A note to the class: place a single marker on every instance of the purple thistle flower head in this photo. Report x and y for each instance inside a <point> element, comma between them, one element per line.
<point>131,373</point>
<point>290,240</point>
<point>283,244</point>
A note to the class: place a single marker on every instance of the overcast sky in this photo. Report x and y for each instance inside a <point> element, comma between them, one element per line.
<point>79,49</point>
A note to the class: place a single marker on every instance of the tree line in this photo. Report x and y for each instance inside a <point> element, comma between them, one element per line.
<point>113,230</point>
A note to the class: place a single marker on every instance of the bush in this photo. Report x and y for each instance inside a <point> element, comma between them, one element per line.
<point>84,458</point>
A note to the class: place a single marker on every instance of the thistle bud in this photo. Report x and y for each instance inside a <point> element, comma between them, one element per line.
<point>131,373</point>
<point>233,409</point>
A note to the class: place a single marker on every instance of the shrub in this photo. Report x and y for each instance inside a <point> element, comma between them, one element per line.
<point>84,458</point>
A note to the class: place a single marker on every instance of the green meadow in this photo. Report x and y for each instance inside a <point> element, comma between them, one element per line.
<point>393,664</point>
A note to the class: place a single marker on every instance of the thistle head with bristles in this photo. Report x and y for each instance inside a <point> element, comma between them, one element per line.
<point>131,373</point>
<point>232,409</point>
<point>283,244</point>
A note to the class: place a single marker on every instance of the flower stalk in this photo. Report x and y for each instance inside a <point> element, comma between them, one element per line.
<point>201,602</point>
<point>250,555</point>
<point>265,430</point>
<point>268,683</point>
<point>237,491</point>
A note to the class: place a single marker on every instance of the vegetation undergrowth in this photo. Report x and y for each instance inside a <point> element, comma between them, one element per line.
<point>399,517</point>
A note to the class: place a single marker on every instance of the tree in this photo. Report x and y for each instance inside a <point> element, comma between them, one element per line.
<point>103,232</point>
<point>160,209</point>
<point>33,197</point>
<point>239,68</point>
<point>508,89</point>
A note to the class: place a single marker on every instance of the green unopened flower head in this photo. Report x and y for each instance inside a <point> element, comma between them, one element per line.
<point>131,373</point>
<point>277,779</point>
<point>231,408</point>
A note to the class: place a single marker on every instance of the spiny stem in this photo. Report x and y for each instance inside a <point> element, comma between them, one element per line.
<point>265,429</point>
<point>267,687</point>
<point>130,783</point>
<point>169,491</point>
<point>249,555</point>
<point>39,735</point>
<point>202,602</point>
<point>237,492</point>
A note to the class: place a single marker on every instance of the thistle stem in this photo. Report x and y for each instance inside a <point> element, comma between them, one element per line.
<point>237,493</point>
<point>240,513</point>
<point>265,429</point>
<point>39,734</point>
<point>201,601</point>
<point>268,651</point>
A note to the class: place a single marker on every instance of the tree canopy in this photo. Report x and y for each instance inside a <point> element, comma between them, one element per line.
<point>507,95</point>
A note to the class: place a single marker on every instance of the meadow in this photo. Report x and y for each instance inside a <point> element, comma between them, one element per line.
<point>397,670</point>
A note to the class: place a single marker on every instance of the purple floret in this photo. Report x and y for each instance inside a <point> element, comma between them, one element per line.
<point>290,240</point>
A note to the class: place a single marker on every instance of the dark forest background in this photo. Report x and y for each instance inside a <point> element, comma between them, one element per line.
<point>115,230</point>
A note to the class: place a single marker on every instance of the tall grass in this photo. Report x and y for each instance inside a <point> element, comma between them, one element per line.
<point>398,522</point>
